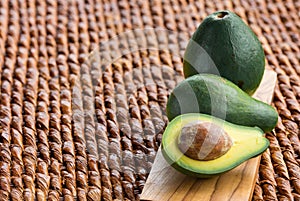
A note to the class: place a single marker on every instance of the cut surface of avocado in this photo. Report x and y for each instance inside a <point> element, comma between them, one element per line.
<point>247,143</point>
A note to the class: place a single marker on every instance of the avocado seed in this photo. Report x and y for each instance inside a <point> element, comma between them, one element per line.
<point>201,140</point>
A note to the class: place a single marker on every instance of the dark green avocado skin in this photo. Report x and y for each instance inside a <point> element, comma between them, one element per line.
<point>219,97</point>
<point>224,45</point>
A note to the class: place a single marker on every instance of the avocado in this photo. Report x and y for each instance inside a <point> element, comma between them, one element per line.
<point>247,142</point>
<point>219,97</point>
<point>224,45</point>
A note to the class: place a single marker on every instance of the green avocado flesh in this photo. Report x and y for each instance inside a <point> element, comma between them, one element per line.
<point>217,96</point>
<point>224,45</point>
<point>247,143</point>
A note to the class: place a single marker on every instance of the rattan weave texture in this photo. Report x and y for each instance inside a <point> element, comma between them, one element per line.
<point>84,86</point>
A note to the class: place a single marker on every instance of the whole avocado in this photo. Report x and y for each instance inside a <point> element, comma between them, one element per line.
<point>217,96</point>
<point>224,45</point>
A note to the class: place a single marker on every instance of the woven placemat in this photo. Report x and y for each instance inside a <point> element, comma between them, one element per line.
<point>84,86</point>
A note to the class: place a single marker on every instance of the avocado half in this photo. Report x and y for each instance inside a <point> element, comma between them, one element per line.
<point>247,143</point>
<point>217,96</point>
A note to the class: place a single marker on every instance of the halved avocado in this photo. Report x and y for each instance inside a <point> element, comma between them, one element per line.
<point>247,143</point>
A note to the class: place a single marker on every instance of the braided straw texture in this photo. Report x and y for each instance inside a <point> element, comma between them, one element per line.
<point>77,124</point>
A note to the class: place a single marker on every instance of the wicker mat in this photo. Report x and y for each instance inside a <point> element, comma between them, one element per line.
<point>84,86</point>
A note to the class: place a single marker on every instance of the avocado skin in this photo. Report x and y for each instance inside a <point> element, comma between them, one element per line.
<point>226,47</point>
<point>217,96</point>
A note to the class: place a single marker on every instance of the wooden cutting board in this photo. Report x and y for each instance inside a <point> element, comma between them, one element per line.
<point>165,183</point>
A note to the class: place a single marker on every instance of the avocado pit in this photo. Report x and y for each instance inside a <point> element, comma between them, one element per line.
<point>202,140</point>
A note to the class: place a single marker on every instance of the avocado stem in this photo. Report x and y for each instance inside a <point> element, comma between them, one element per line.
<point>222,14</point>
